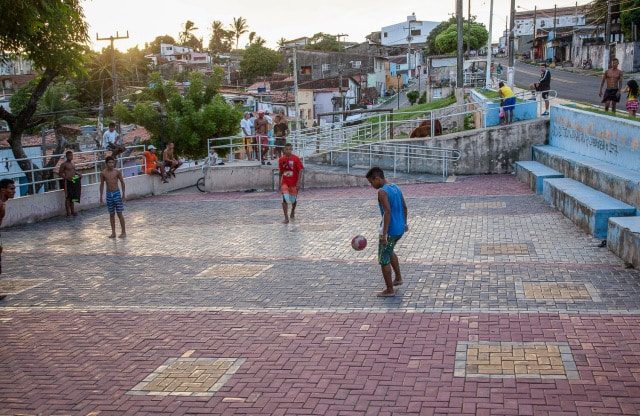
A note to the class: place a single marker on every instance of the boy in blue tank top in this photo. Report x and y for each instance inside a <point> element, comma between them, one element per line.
<point>392,226</point>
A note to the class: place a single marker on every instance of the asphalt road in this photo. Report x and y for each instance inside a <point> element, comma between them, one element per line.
<point>571,83</point>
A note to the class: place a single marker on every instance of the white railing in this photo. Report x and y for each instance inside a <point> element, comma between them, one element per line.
<point>89,163</point>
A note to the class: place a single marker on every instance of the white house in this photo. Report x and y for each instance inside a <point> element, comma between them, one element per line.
<point>410,31</point>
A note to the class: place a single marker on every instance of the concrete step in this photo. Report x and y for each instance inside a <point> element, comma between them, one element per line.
<point>588,208</point>
<point>623,239</point>
<point>618,182</point>
<point>534,173</point>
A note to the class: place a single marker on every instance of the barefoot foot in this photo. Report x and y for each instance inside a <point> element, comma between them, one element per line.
<point>112,236</point>
<point>123,235</point>
<point>386,293</point>
<point>397,282</point>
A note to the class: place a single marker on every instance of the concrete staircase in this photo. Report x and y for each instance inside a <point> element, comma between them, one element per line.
<point>590,171</point>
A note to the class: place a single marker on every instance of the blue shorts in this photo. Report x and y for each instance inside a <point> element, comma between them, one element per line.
<point>114,202</point>
<point>509,103</point>
<point>385,251</point>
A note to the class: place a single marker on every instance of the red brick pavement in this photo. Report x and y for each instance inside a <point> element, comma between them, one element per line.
<point>72,357</point>
<point>320,364</point>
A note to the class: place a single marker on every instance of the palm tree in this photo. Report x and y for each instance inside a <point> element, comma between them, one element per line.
<point>251,36</point>
<point>186,35</point>
<point>281,43</point>
<point>239,28</point>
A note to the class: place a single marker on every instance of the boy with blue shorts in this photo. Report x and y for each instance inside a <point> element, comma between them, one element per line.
<point>110,175</point>
<point>392,227</point>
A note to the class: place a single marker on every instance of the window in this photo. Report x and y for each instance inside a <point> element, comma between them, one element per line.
<point>305,70</point>
<point>385,34</point>
<point>356,64</point>
<point>416,32</point>
<point>325,68</point>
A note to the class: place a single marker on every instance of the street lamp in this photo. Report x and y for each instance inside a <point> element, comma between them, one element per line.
<point>399,76</point>
<point>419,72</point>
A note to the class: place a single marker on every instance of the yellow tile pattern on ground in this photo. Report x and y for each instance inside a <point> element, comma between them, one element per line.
<point>494,249</point>
<point>234,270</point>
<point>188,377</point>
<point>513,360</point>
<point>556,291</point>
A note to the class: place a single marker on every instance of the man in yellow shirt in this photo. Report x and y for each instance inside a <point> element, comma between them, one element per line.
<point>509,101</point>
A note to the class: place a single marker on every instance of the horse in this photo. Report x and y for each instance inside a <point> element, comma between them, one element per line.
<point>424,129</point>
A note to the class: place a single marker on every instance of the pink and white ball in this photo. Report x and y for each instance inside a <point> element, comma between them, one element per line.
<point>358,242</point>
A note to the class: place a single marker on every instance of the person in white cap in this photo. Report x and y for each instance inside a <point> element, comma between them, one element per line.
<point>152,165</point>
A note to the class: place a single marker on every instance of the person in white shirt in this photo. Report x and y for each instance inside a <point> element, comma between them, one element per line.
<point>247,135</point>
<point>213,159</point>
<point>111,141</point>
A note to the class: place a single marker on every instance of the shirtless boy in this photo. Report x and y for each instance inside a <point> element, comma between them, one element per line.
<point>170,161</point>
<point>110,175</point>
<point>613,78</point>
<point>68,172</point>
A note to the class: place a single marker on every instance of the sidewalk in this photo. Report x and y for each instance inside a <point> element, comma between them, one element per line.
<point>212,306</point>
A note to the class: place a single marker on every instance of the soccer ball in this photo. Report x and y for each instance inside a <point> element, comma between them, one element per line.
<point>358,242</point>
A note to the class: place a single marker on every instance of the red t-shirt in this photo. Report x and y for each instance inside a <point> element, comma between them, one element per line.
<point>290,168</point>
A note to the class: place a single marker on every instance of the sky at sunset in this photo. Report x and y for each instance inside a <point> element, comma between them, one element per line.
<point>279,19</point>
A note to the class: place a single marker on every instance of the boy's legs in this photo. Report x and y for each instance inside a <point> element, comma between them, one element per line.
<point>123,231</point>
<point>112,220</point>
<point>395,265</point>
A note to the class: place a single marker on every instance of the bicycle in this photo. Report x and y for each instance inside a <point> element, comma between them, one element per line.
<point>200,182</point>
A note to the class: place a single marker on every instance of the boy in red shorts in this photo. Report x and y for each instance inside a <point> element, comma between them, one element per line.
<point>290,166</point>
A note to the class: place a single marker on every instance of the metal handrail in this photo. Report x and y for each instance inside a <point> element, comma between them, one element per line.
<point>90,169</point>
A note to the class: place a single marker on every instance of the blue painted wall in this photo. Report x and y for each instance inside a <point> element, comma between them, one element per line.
<point>609,139</point>
<point>525,110</point>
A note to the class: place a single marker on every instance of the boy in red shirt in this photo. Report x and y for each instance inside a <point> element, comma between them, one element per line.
<point>290,166</point>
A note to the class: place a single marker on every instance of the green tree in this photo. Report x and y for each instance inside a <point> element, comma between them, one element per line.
<point>324,42</point>
<point>239,27</point>
<point>412,96</point>
<point>629,17</point>
<point>259,61</point>
<point>154,45</point>
<point>188,28</point>
<point>191,119</point>
<point>53,35</point>
<point>447,41</point>
<point>430,47</point>
<point>221,40</point>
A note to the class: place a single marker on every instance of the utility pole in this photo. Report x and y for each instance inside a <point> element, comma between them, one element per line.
<point>607,39</point>
<point>535,15</point>
<point>469,28</point>
<point>459,80</point>
<point>489,49</point>
<point>555,35</point>
<point>114,75</point>
<point>409,47</point>
<point>512,19</point>
<point>295,86</point>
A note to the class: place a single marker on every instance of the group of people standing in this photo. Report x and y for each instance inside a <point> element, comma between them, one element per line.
<point>263,140</point>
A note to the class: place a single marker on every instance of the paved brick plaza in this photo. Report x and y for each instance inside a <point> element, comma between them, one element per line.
<point>212,306</point>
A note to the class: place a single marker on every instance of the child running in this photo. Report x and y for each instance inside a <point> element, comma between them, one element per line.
<point>110,175</point>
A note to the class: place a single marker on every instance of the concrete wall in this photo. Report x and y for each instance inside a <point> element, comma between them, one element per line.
<point>487,151</point>
<point>611,140</point>
<point>39,207</point>
<point>484,151</point>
